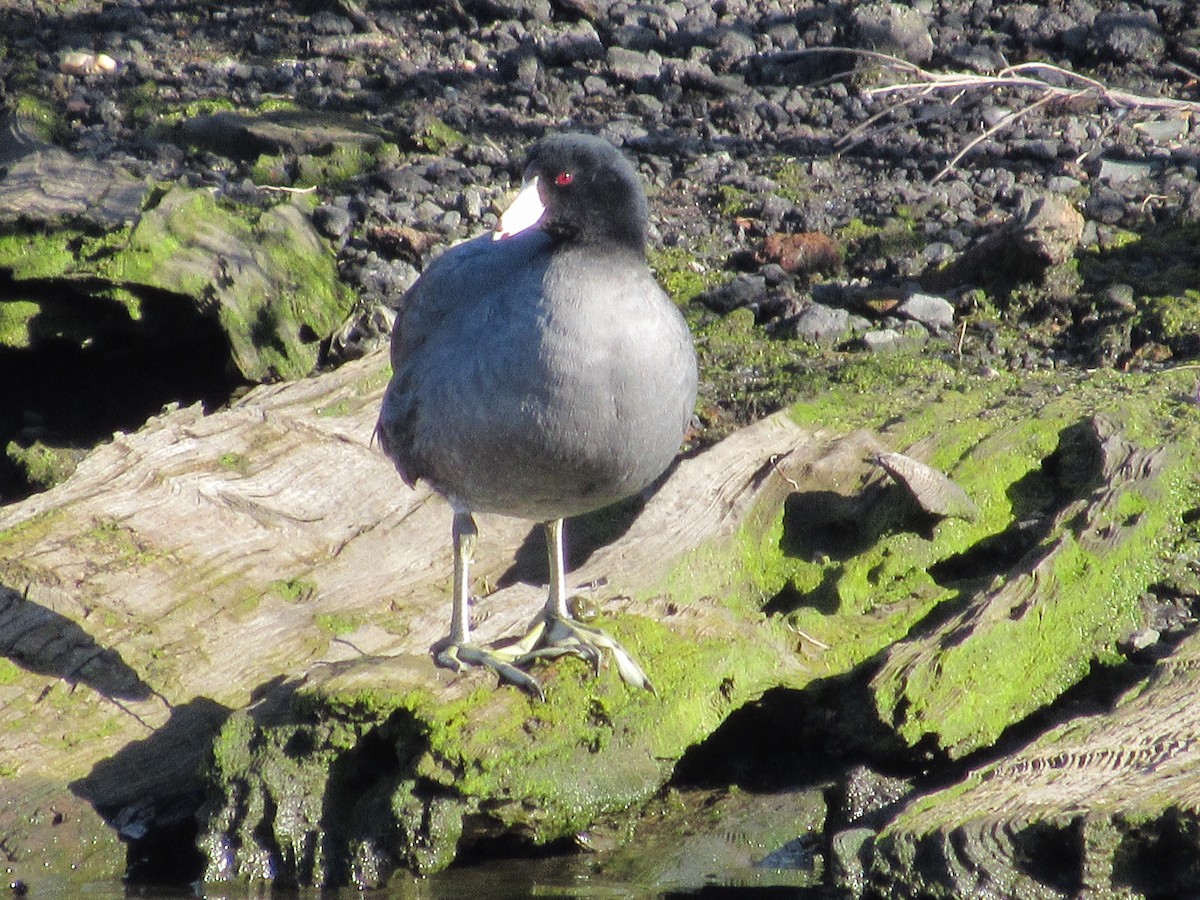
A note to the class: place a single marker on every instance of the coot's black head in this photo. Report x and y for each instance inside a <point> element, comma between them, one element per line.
<point>590,191</point>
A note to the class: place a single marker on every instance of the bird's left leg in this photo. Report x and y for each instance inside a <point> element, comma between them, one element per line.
<point>556,632</point>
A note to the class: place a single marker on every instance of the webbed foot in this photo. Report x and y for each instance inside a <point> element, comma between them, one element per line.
<point>552,635</point>
<point>459,656</point>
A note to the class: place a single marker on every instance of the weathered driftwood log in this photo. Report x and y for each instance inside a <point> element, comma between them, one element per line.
<point>1037,623</point>
<point>233,614</point>
<point>268,557</point>
<point>1104,805</point>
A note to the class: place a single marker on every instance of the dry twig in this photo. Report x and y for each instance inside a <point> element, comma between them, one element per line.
<point>1033,76</point>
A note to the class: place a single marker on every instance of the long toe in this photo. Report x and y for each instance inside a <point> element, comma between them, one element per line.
<point>568,636</point>
<point>460,657</point>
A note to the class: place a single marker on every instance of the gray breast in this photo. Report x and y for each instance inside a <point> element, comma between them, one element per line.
<point>548,395</point>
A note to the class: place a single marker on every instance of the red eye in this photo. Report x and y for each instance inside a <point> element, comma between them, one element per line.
<point>562,179</point>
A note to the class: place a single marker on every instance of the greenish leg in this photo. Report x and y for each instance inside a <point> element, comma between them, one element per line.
<point>457,652</point>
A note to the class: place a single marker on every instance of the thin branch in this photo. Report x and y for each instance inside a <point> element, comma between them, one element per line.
<point>978,139</point>
<point>1021,76</point>
<point>286,190</point>
<point>1013,76</point>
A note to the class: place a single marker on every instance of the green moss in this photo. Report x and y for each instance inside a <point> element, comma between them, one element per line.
<point>278,104</point>
<point>1162,266</point>
<point>42,466</point>
<point>118,545</point>
<point>337,624</point>
<point>744,370</point>
<point>856,230</point>
<point>237,463</point>
<point>39,115</point>
<point>1173,320</point>
<point>1088,591</point>
<point>896,236</point>
<point>793,179</point>
<point>293,590</point>
<point>899,237</point>
<point>436,136</point>
<point>683,274</point>
<point>731,201</point>
<point>15,317</point>
<point>145,102</point>
<point>345,160</point>
<point>287,292</point>
<point>272,170</point>
<point>32,256</point>
<point>10,672</point>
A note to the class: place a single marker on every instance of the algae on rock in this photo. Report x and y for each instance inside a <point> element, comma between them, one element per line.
<point>263,274</point>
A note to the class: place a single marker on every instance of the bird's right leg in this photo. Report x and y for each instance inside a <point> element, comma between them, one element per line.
<point>457,652</point>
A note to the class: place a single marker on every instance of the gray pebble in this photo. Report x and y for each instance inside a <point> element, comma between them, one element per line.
<point>633,65</point>
<point>334,222</point>
<point>820,324</point>
<point>882,340</point>
<point>935,313</point>
<point>892,28</point>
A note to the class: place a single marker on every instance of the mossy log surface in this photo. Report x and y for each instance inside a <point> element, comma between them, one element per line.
<point>1105,805</point>
<point>267,562</point>
<point>233,613</point>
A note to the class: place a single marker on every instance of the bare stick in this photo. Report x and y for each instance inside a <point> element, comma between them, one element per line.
<point>1027,76</point>
<point>976,141</point>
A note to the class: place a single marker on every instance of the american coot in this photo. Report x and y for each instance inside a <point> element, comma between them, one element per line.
<point>541,372</point>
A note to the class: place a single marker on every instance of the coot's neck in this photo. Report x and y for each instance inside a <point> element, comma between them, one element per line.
<point>623,235</point>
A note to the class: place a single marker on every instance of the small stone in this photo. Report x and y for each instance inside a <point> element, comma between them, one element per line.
<point>742,291</point>
<point>1105,205</point>
<point>1128,35</point>
<point>935,313</point>
<point>891,28</point>
<point>1119,297</point>
<point>633,65</point>
<point>1052,228</point>
<point>471,203</point>
<point>1119,171</point>
<point>1163,131</point>
<point>938,252</point>
<point>1063,184</point>
<point>820,324</point>
<point>883,340</point>
<point>79,62</point>
<point>332,221</point>
<point>578,43</point>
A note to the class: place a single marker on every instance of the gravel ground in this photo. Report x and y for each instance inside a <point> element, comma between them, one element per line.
<point>786,178</point>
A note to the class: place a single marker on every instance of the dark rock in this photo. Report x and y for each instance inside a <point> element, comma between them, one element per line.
<point>1128,35</point>
<point>333,221</point>
<point>633,65</point>
<point>1046,233</point>
<point>1119,171</point>
<point>576,44</point>
<point>882,340</point>
<point>744,290</point>
<point>1105,205</point>
<point>891,28</point>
